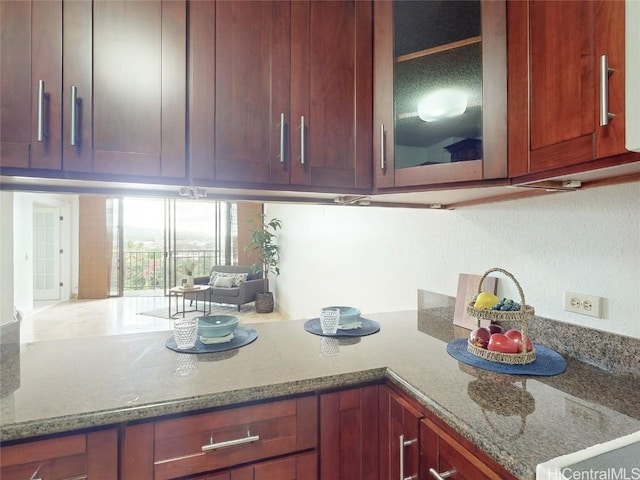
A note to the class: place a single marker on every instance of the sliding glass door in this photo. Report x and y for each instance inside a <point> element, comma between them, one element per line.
<point>158,236</point>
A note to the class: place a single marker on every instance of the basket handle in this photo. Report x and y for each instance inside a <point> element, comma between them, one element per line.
<point>501,270</point>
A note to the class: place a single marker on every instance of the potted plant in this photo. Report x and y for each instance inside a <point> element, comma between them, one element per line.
<point>263,240</point>
<point>187,267</point>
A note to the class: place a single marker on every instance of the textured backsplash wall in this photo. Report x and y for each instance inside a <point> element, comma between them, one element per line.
<point>376,258</point>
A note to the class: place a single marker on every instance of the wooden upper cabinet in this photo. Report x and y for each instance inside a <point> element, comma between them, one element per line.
<point>260,70</point>
<point>126,63</point>
<point>240,79</point>
<point>555,62</point>
<point>440,104</point>
<point>30,82</point>
<point>94,87</point>
<point>332,89</point>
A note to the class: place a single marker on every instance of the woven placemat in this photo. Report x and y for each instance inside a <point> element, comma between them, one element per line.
<point>241,336</point>
<point>547,363</point>
<point>368,327</point>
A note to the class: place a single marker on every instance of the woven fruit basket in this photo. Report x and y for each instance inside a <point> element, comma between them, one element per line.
<point>522,316</point>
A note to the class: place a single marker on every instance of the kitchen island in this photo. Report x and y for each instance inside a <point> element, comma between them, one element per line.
<point>75,384</point>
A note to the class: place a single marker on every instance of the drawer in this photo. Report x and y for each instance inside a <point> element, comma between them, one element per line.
<point>210,441</point>
<point>92,455</point>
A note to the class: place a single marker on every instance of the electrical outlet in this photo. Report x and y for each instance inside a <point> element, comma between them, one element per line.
<point>583,304</point>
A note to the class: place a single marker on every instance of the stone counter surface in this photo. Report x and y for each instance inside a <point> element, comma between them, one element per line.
<point>73,384</point>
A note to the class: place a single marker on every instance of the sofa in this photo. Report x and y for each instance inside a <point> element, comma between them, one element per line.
<point>228,287</point>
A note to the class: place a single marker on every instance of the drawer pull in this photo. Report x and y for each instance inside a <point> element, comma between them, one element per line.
<point>605,71</point>
<point>302,142</point>
<point>383,163</point>
<point>42,131</point>
<point>282,138</point>
<point>74,115</point>
<point>405,443</point>
<point>443,475</point>
<point>230,443</point>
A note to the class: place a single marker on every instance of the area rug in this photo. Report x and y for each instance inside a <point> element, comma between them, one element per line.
<point>216,309</point>
<point>246,315</point>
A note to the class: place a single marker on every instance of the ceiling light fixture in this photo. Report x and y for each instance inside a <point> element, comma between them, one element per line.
<point>443,103</point>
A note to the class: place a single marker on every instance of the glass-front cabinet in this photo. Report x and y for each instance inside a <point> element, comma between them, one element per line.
<point>440,92</point>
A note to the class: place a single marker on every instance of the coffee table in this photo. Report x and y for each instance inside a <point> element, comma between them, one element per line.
<point>197,290</point>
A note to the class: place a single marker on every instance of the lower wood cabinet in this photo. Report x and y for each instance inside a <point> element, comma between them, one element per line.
<point>221,440</point>
<point>375,432</point>
<point>399,449</point>
<point>92,455</point>
<point>349,434</point>
<point>445,454</point>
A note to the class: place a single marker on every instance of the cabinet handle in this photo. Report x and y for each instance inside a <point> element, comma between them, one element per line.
<point>282,138</point>
<point>405,443</point>
<point>605,71</point>
<point>41,130</point>
<point>443,475</point>
<point>382,159</point>
<point>302,140</point>
<point>230,443</point>
<point>74,118</point>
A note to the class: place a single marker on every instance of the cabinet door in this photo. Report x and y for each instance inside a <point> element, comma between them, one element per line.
<point>555,51</point>
<point>399,437</point>
<point>446,454</point>
<point>349,434</point>
<point>440,92</point>
<point>126,63</point>
<point>331,137</point>
<point>93,455</point>
<point>239,96</point>
<point>296,467</point>
<point>30,81</point>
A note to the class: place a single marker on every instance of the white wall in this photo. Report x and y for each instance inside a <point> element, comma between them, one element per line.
<point>6,258</point>
<point>376,258</point>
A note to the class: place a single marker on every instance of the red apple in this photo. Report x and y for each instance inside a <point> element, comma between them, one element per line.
<point>516,336</point>
<point>499,342</point>
<point>480,337</point>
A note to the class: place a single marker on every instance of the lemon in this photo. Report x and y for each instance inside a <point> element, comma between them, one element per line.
<point>485,301</point>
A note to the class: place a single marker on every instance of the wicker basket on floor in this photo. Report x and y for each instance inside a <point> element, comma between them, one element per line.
<point>264,302</point>
<point>522,316</point>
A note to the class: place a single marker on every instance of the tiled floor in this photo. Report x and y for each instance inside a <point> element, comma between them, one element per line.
<point>111,316</point>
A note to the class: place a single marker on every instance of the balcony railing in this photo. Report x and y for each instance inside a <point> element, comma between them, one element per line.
<point>146,270</point>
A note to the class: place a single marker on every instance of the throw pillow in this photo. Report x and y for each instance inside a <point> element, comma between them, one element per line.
<point>225,282</point>
<point>238,278</point>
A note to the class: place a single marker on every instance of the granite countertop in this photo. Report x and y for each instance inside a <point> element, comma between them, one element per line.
<point>66,385</point>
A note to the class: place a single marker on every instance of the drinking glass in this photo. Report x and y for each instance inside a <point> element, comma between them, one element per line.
<point>329,318</point>
<point>185,331</point>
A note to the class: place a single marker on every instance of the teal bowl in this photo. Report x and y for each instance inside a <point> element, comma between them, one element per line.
<point>216,326</point>
<point>347,314</point>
